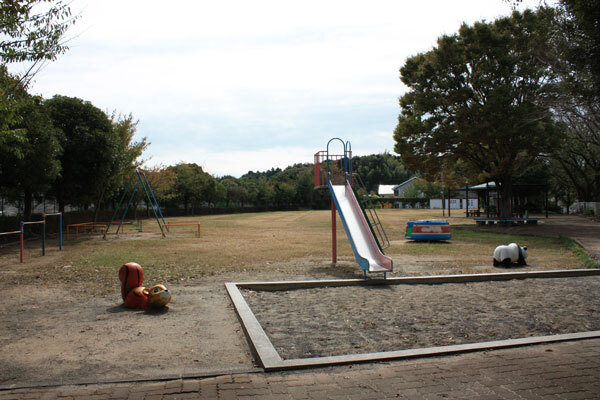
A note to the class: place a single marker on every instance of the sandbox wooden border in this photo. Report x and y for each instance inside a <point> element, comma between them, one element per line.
<point>270,360</point>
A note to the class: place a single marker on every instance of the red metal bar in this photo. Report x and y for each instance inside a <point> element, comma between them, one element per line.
<point>182,223</point>
<point>22,234</point>
<point>333,233</point>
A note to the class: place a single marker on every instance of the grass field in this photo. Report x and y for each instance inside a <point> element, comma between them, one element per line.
<point>292,244</point>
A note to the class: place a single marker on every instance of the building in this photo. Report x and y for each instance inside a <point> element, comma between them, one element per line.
<point>402,189</point>
<point>386,190</point>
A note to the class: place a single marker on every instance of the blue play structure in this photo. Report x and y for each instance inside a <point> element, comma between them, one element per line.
<point>428,230</point>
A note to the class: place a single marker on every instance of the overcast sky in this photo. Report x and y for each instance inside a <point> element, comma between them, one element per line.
<point>238,85</point>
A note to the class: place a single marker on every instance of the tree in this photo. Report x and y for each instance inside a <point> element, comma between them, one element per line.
<point>305,191</point>
<point>33,31</point>
<point>90,150</point>
<point>235,193</point>
<point>191,184</point>
<point>30,31</point>
<point>29,144</point>
<point>162,181</point>
<point>260,190</point>
<point>13,97</point>
<point>380,169</point>
<point>284,194</point>
<point>423,189</point>
<point>474,101</point>
<point>38,166</point>
<point>215,191</point>
<point>573,53</point>
<point>125,155</point>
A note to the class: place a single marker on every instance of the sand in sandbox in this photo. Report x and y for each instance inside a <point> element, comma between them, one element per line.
<point>349,320</point>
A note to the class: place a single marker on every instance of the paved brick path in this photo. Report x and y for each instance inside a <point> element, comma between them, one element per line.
<point>568,370</point>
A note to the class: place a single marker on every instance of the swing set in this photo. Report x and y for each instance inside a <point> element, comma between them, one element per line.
<point>142,181</point>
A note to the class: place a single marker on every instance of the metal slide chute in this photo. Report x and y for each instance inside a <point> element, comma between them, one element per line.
<point>365,248</point>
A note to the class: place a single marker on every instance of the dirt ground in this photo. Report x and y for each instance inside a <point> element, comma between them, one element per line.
<point>57,335</point>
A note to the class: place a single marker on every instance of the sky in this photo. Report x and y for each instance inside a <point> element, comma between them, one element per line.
<point>237,85</point>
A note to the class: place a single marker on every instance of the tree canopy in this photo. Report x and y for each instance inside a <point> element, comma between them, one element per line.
<point>574,56</point>
<point>97,151</point>
<point>33,31</point>
<point>473,103</point>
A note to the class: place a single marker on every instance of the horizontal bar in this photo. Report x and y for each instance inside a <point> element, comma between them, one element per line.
<point>92,224</point>
<point>34,222</point>
<point>9,233</point>
<point>49,215</point>
<point>182,223</point>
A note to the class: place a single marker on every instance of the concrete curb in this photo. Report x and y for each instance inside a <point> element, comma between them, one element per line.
<point>268,357</point>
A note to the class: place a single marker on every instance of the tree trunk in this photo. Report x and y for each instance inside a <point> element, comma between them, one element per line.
<point>504,201</point>
<point>98,205</point>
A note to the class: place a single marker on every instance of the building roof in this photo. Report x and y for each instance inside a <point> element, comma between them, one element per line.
<point>405,182</point>
<point>384,190</point>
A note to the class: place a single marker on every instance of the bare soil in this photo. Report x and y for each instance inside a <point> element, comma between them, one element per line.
<point>333,321</point>
<point>55,331</point>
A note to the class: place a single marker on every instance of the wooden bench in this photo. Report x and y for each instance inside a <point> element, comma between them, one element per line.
<point>513,221</point>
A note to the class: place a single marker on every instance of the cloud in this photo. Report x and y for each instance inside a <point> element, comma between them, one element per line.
<point>238,162</point>
<point>242,85</point>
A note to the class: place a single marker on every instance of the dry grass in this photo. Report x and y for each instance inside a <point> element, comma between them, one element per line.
<point>290,244</point>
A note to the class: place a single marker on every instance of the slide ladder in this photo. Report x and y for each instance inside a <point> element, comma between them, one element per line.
<point>368,206</point>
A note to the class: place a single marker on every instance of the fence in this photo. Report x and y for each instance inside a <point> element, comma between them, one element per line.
<point>589,207</point>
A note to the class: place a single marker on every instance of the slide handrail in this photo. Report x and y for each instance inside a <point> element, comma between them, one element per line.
<point>371,216</point>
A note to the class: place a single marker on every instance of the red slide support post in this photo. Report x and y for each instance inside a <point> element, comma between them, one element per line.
<point>22,236</point>
<point>333,233</point>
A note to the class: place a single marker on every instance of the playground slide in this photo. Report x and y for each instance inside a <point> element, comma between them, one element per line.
<point>367,252</point>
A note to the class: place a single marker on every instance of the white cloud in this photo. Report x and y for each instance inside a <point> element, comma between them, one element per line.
<point>238,162</point>
<point>238,85</point>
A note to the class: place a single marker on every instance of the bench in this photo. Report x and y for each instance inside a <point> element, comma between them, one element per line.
<point>513,221</point>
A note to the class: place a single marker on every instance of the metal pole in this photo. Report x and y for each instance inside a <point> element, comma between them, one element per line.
<point>60,231</point>
<point>120,202</point>
<point>155,201</point>
<point>22,234</point>
<point>153,210</point>
<point>443,201</point>
<point>333,233</point>
<point>126,208</point>
<point>467,196</point>
<point>487,198</point>
<point>43,234</point>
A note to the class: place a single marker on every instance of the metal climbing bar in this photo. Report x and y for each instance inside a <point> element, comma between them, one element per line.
<point>372,216</point>
<point>154,199</point>
<point>162,231</point>
<point>120,202</point>
<point>10,233</point>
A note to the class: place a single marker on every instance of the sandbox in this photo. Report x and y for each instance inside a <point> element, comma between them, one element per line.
<point>311,323</point>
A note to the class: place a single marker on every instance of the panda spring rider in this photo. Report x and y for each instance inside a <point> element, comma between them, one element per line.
<point>510,254</point>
